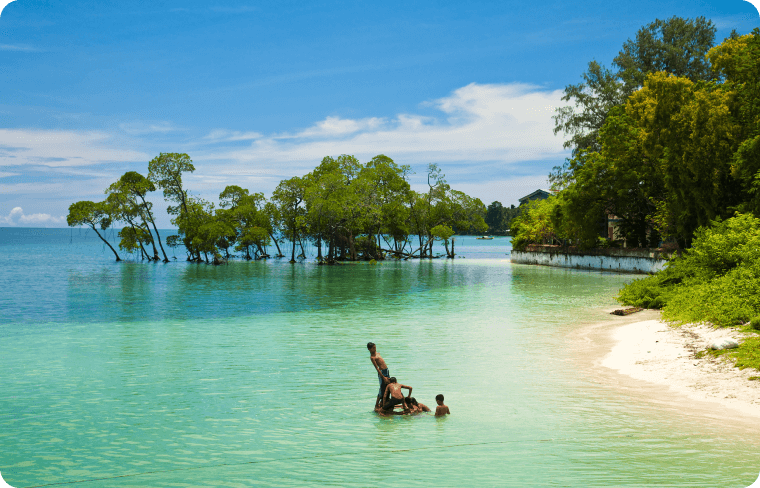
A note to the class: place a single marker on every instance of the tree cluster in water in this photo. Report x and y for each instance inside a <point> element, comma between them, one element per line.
<point>348,210</point>
<point>664,145</point>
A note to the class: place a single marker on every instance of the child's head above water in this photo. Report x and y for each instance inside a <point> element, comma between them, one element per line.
<point>370,345</point>
<point>392,379</point>
<point>439,399</point>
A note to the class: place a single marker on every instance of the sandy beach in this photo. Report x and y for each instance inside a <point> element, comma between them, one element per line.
<point>657,362</point>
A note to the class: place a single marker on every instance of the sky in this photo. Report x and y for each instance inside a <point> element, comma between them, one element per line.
<point>258,92</point>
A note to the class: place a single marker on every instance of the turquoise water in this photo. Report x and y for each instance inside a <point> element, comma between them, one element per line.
<point>257,374</point>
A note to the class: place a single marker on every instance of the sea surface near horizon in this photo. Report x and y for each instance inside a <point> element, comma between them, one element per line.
<point>256,374</point>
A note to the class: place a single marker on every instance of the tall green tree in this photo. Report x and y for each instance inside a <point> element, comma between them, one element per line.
<point>675,46</point>
<point>136,233</point>
<point>165,171</point>
<point>737,60</point>
<point>94,215</point>
<point>288,197</point>
<point>134,187</point>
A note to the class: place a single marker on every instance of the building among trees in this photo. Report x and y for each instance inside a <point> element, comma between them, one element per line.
<point>536,195</point>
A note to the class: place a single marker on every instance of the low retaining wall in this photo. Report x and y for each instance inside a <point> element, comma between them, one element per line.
<point>620,260</point>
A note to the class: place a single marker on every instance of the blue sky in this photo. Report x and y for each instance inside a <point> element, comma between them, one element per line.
<point>256,92</point>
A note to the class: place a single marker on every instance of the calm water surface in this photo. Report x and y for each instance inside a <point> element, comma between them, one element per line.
<point>257,374</point>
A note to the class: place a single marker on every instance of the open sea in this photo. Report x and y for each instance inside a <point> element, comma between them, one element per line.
<point>138,374</point>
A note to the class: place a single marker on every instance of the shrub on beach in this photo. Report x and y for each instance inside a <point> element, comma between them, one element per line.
<point>755,323</point>
<point>717,280</point>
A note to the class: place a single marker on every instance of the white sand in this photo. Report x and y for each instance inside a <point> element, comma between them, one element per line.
<point>657,353</point>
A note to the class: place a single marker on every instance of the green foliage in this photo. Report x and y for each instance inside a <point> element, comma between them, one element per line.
<point>755,323</point>
<point>676,46</point>
<point>498,217</point>
<point>747,355</point>
<point>535,225</point>
<point>94,215</point>
<point>592,100</point>
<point>682,151</point>
<point>345,205</point>
<point>717,280</point>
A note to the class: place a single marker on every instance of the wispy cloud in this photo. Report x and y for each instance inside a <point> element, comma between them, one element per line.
<point>238,9</point>
<point>738,21</point>
<point>57,148</point>
<point>495,142</point>
<point>223,9</point>
<point>18,47</point>
<point>17,218</point>
<point>337,127</point>
<point>142,128</point>
<point>222,135</point>
<point>504,123</point>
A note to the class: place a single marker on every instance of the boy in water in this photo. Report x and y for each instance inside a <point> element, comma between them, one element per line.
<point>416,407</point>
<point>395,397</point>
<point>441,409</point>
<point>382,371</point>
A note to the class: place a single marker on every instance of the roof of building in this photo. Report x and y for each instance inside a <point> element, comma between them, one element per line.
<point>538,193</point>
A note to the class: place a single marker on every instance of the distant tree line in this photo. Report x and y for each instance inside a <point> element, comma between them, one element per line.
<point>346,209</point>
<point>499,218</point>
<point>667,143</point>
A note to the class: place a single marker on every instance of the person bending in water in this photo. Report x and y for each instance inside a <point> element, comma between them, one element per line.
<point>416,407</point>
<point>441,409</point>
<point>382,371</point>
<point>394,396</point>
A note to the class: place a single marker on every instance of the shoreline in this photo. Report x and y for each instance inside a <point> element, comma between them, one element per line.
<point>645,357</point>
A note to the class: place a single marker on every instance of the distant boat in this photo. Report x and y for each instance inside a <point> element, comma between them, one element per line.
<point>487,238</point>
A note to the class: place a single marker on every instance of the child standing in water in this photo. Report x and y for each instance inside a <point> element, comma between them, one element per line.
<point>382,371</point>
<point>441,409</point>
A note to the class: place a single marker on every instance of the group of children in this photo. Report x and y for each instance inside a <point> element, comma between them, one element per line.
<point>390,394</point>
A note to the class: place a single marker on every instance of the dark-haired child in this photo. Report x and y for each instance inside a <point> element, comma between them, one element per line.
<point>441,409</point>
<point>382,371</point>
<point>416,407</point>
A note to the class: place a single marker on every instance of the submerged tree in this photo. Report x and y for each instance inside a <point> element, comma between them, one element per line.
<point>135,187</point>
<point>165,171</point>
<point>288,197</point>
<point>93,215</point>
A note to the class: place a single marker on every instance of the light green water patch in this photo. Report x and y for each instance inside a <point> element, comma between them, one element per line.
<point>283,396</point>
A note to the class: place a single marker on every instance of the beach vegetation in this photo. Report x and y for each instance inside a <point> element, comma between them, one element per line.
<point>747,355</point>
<point>717,280</point>
<point>755,323</point>
<point>346,209</point>
<point>664,146</point>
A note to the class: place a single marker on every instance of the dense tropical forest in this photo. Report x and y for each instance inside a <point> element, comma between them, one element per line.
<point>348,210</point>
<point>668,145</point>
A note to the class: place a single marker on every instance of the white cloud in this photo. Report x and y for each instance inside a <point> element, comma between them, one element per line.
<point>336,127</point>
<point>742,22</point>
<point>17,218</point>
<point>139,128</point>
<point>18,47</point>
<point>57,148</point>
<point>505,123</point>
<point>226,135</point>
<point>506,191</point>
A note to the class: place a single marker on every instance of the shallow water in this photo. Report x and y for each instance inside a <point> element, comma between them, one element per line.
<point>257,374</point>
